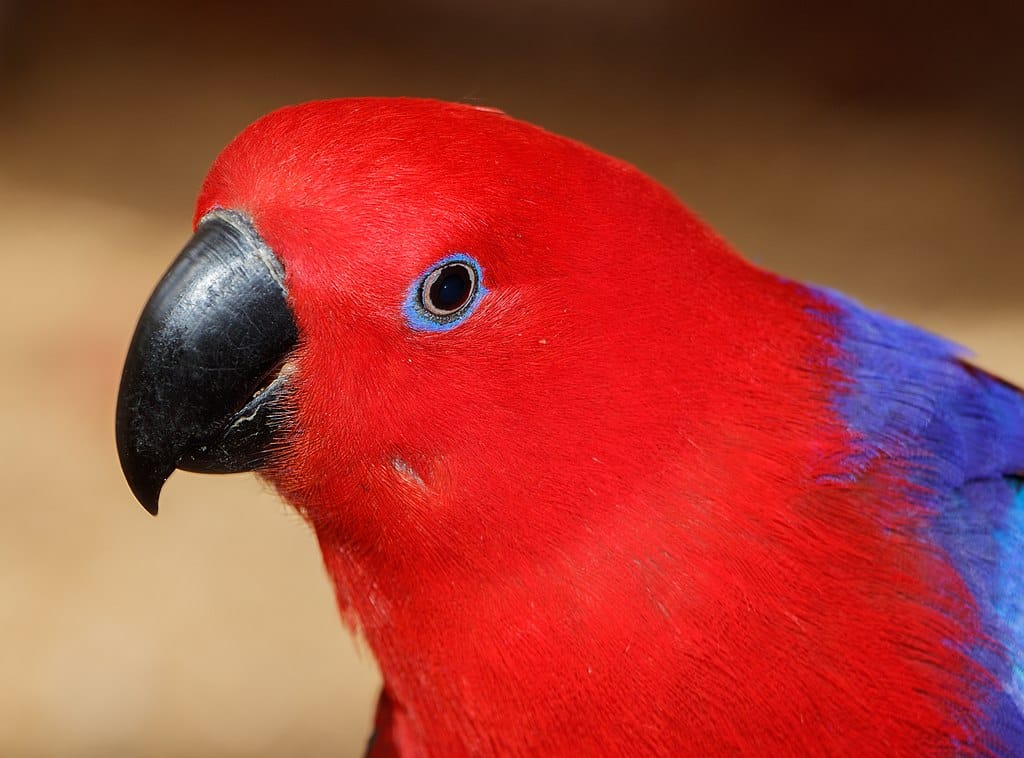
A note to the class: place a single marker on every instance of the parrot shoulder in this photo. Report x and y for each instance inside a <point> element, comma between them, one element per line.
<point>958,432</point>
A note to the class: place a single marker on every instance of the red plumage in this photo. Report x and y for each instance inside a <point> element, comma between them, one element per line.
<point>608,514</point>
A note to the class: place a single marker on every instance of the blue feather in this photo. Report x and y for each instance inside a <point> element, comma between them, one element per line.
<point>912,397</point>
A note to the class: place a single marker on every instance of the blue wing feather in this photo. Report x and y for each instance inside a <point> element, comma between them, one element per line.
<point>911,396</point>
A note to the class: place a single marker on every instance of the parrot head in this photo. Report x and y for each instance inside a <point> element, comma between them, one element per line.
<point>430,325</point>
<point>509,381</point>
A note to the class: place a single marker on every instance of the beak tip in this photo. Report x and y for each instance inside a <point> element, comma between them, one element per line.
<point>146,483</point>
<point>149,498</point>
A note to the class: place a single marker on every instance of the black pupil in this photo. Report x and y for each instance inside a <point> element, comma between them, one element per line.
<point>451,289</point>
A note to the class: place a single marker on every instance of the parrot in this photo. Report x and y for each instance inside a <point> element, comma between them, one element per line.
<point>584,479</point>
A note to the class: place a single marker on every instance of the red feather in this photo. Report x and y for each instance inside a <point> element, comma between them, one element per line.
<point>607,514</point>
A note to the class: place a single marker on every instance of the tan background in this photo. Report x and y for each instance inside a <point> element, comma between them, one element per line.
<point>877,151</point>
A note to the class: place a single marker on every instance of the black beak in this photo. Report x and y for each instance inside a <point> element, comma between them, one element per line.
<point>205,381</point>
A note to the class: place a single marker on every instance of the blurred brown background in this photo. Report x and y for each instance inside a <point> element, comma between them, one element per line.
<point>875,150</point>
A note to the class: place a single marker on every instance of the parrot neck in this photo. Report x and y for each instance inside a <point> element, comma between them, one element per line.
<point>670,638</point>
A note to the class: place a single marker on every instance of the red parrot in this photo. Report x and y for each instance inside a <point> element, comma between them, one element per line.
<point>588,482</point>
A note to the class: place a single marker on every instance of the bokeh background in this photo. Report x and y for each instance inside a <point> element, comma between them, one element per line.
<point>875,149</point>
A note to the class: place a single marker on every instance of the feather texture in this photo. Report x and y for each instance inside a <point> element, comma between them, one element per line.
<point>912,398</point>
<point>646,498</point>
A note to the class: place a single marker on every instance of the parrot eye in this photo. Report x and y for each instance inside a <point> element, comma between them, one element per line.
<point>448,288</point>
<point>445,295</point>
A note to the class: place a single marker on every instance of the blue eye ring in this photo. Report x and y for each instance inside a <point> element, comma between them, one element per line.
<point>445,295</point>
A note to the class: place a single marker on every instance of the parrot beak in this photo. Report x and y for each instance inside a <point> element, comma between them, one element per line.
<point>205,380</point>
